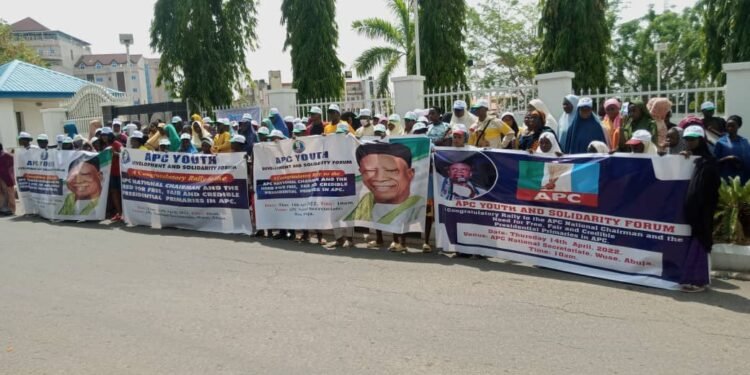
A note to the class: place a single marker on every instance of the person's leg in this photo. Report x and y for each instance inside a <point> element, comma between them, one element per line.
<point>339,235</point>
<point>695,275</point>
<point>378,242</point>
<point>398,243</point>
<point>427,231</point>
<point>4,200</point>
<point>305,237</point>
<point>321,240</point>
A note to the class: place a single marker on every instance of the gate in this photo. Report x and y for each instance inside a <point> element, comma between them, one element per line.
<point>86,105</point>
<point>147,113</point>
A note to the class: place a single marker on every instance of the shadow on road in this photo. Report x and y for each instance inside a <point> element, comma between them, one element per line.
<point>716,296</point>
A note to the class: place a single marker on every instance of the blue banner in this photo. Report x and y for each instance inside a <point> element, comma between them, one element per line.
<point>614,217</point>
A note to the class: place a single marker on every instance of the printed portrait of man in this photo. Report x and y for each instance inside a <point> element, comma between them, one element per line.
<point>465,175</point>
<point>458,185</point>
<point>85,185</point>
<point>387,173</point>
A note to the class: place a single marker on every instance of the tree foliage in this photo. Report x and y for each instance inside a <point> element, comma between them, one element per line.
<point>399,36</point>
<point>16,50</point>
<point>502,41</point>
<point>202,45</point>
<point>727,33</point>
<point>633,63</point>
<point>575,37</point>
<point>442,24</point>
<point>312,35</point>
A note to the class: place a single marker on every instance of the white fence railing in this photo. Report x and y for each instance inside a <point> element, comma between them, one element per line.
<point>685,101</point>
<point>502,99</point>
<point>353,103</point>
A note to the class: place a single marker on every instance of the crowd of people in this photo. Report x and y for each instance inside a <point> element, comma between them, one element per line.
<point>583,128</point>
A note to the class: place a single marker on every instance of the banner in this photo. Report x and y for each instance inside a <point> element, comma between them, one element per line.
<point>235,114</point>
<point>335,181</point>
<point>63,185</point>
<point>613,217</point>
<point>189,191</point>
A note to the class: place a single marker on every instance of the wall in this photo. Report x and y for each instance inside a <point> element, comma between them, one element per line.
<point>32,117</point>
<point>8,130</point>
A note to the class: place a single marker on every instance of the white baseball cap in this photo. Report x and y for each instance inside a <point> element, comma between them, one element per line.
<point>176,119</point>
<point>410,116</point>
<point>482,103</point>
<point>423,119</point>
<point>137,134</point>
<point>116,122</point>
<point>394,118</point>
<point>59,138</point>
<point>79,137</point>
<point>208,120</point>
<point>334,107</point>
<point>42,137</point>
<point>379,128</point>
<point>316,110</point>
<point>277,134</point>
<point>246,117</point>
<point>164,142</point>
<point>299,127</point>
<point>107,130</point>
<point>224,121</point>
<point>694,131</point>
<point>365,112</point>
<point>639,137</point>
<point>273,112</point>
<point>264,131</point>
<point>67,140</point>
<point>254,123</point>
<point>24,135</point>
<point>186,136</point>
<point>418,126</point>
<point>238,139</point>
<point>208,141</point>
<point>459,105</point>
<point>289,119</point>
<point>708,106</point>
<point>94,140</point>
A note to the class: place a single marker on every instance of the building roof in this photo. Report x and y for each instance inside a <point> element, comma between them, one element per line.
<point>19,80</point>
<point>30,25</point>
<point>107,59</point>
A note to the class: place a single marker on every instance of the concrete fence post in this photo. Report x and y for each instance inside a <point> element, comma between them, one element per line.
<point>53,120</point>
<point>408,93</point>
<point>552,89</point>
<point>737,93</point>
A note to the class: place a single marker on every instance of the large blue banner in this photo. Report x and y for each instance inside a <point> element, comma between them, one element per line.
<point>615,217</point>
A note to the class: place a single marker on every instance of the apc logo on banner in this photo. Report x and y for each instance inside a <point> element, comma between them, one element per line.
<point>575,184</point>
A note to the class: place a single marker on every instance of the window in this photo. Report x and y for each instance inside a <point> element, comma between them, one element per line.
<point>115,64</point>
<point>82,66</point>
<point>133,78</point>
<point>51,51</point>
<point>71,54</point>
<point>135,89</point>
<point>19,122</point>
<point>98,66</point>
<point>99,79</point>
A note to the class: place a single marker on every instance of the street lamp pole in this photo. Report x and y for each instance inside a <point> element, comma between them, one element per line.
<point>415,3</point>
<point>127,40</point>
<point>659,48</point>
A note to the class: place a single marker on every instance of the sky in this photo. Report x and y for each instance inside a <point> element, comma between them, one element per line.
<point>100,22</point>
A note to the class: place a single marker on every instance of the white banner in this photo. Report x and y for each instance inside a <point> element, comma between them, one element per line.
<point>334,181</point>
<point>63,185</point>
<point>189,191</point>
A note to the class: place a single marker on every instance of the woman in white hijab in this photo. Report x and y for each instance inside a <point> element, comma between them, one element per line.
<point>570,105</point>
<point>548,146</point>
<point>538,105</point>
<point>598,147</point>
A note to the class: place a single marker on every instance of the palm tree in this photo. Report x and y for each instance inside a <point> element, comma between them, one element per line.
<point>400,38</point>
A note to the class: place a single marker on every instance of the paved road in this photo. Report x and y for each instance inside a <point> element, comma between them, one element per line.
<point>97,299</point>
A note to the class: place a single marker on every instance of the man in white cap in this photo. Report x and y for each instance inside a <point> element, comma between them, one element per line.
<point>437,130</point>
<point>222,138</point>
<point>119,135</point>
<point>299,130</point>
<point>58,142</point>
<point>276,135</point>
<point>461,115</point>
<point>78,141</point>
<point>334,115</point>
<point>715,124</point>
<point>186,144</point>
<point>207,146</point>
<point>490,131</point>
<point>24,140</point>
<point>380,130</point>
<point>164,145</point>
<point>410,118</point>
<point>419,128</point>
<point>238,143</point>
<point>136,141</point>
<point>366,129</point>
<point>316,125</point>
<point>263,134</point>
<point>42,140</point>
<point>67,144</point>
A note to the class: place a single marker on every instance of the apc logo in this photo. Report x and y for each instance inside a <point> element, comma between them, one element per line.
<point>566,183</point>
<point>298,147</point>
<point>125,157</point>
<point>45,155</point>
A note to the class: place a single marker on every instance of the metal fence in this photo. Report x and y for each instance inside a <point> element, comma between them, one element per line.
<point>502,99</point>
<point>685,101</point>
<point>86,105</point>
<point>352,103</point>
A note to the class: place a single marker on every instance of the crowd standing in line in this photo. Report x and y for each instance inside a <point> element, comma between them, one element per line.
<point>635,127</point>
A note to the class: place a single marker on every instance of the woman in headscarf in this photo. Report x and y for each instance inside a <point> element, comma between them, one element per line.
<point>584,129</point>
<point>659,109</point>
<point>198,133</point>
<point>538,105</point>
<point>613,121</point>
<point>638,118</point>
<point>174,138</point>
<point>278,122</point>
<point>548,145</point>
<point>510,119</point>
<point>598,147</point>
<point>675,143</point>
<point>700,205</point>
<point>535,127</point>
<point>570,103</point>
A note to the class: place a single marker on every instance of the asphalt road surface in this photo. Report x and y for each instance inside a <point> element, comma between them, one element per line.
<point>99,299</point>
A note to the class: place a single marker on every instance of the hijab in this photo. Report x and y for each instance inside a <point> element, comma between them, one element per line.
<point>555,146</point>
<point>278,124</point>
<point>153,141</point>
<point>539,105</point>
<point>566,119</point>
<point>513,125</point>
<point>174,138</point>
<point>583,131</point>
<point>600,147</point>
<point>197,138</point>
<point>659,107</point>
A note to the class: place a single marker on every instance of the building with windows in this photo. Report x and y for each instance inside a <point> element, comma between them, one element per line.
<point>60,50</point>
<point>137,78</point>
